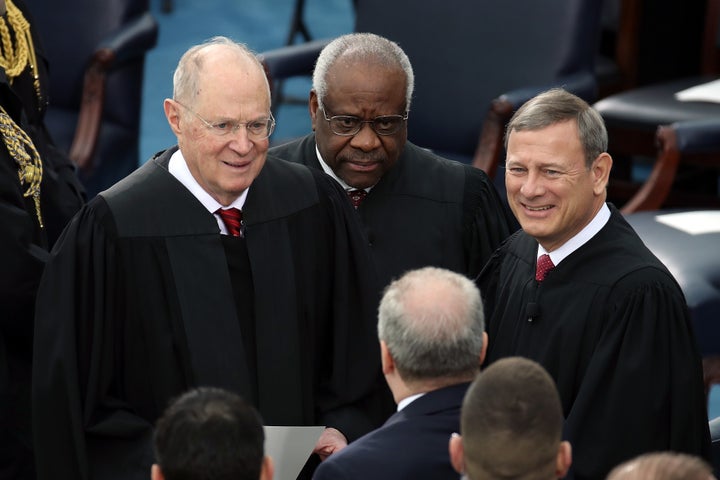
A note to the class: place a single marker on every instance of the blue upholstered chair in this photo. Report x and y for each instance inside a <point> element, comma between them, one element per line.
<point>687,242</point>
<point>475,63</point>
<point>96,50</point>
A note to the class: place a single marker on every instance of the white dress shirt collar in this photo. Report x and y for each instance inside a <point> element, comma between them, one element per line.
<point>590,230</point>
<point>177,166</point>
<point>326,168</point>
<point>408,400</point>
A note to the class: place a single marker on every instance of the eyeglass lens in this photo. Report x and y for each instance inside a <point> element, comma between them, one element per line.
<point>349,125</point>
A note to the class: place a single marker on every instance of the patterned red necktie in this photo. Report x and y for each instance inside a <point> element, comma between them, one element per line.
<point>544,265</point>
<point>232,217</point>
<point>356,197</point>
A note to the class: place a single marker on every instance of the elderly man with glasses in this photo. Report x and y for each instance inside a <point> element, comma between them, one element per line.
<point>417,208</point>
<point>211,265</point>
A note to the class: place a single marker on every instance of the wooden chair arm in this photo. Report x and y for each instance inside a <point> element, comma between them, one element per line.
<point>91,108</point>
<point>129,42</point>
<point>656,188</point>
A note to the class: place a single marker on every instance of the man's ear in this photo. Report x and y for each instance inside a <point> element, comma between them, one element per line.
<point>388,364</point>
<point>156,473</point>
<point>172,113</point>
<point>313,106</point>
<point>564,459</point>
<point>601,173</point>
<point>484,347</point>
<point>267,470</point>
<point>457,453</point>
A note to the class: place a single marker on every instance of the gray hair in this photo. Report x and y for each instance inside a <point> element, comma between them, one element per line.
<point>186,78</point>
<point>432,322</point>
<point>362,47</point>
<point>662,465</point>
<point>557,106</point>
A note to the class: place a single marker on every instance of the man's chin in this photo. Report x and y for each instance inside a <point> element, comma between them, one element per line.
<point>359,182</point>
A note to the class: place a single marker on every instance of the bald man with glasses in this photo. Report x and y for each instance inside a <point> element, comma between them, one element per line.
<point>211,265</point>
<point>417,208</point>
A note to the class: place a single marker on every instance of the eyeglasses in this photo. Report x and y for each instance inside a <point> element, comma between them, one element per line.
<point>347,125</point>
<point>259,129</point>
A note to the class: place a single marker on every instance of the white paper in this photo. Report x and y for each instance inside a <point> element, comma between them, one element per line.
<point>290,447</point>
<point>706,92</point>
<point>694,223</point>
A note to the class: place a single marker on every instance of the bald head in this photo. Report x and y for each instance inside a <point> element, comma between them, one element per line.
<point>218,51</point>
<point>432,322</point>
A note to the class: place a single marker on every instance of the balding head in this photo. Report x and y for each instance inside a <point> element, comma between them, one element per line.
<point>663,466</point>
<point>432,322</point>
<point>199,59</point>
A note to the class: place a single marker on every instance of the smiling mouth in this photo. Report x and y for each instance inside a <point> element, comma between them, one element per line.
<point>236,165</point>
<point>538,209</point>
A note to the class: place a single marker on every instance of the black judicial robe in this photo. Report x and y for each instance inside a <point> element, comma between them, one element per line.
<point>426,210</point>
<point>135,307</point>
<point>611,325</point>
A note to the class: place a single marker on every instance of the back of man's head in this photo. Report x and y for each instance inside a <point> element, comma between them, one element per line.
<point>511,424</point>
<point>210,434</point>
<point>663,466</point>
<point>431,321</point>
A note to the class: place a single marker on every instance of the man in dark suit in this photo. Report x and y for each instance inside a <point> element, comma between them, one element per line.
<point>430,325</point>
<point>418,209</point>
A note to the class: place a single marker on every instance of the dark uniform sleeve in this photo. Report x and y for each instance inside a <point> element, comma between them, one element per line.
<point>22,258</point>
<point>79,422</point>
<point>487,220</point>
<point>22,252</point>
<point>646,360</point>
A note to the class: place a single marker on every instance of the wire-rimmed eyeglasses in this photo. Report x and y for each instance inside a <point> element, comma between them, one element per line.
<point>258,129</point>
<point>348,125</point>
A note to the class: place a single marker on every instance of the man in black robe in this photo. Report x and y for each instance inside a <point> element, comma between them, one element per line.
<point>31,168</point>
<point>419,209</point>
<point>144,298</point>
<point>608,322</point>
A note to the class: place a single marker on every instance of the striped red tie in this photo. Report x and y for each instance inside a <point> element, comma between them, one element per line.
<point>232,217</point>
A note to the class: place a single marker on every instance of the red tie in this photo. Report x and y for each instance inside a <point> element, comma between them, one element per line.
<point>232,217</point>
<point>544,265</point>
<point>356,197</point>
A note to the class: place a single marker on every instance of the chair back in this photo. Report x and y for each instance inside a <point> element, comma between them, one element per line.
<point>465,54</point>
<point>77,38</point>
